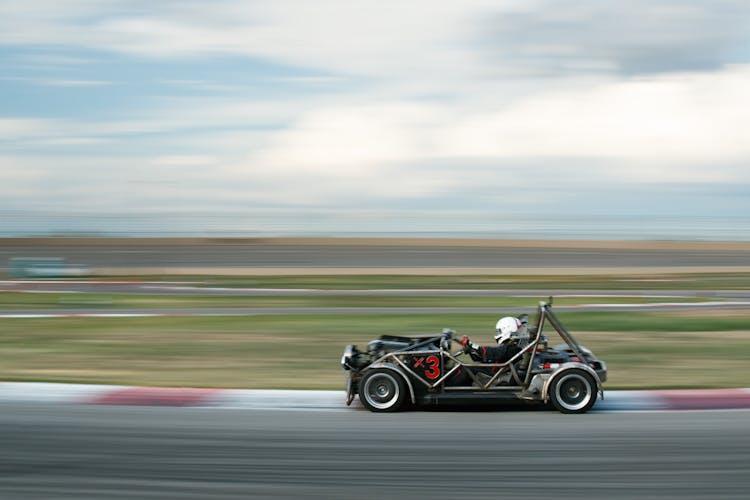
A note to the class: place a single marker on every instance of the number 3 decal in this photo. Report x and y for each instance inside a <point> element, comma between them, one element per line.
<point>433,370</point>
<point>430,365</point>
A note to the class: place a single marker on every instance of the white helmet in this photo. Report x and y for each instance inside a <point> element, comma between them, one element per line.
<point>506,327</point>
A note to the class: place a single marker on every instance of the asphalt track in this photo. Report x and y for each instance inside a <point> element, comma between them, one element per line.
<point>118,452</point>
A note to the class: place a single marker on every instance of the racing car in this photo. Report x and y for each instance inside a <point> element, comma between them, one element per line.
<point>421,370</point>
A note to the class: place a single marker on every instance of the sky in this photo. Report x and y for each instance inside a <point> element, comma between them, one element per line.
<point>472,116</point>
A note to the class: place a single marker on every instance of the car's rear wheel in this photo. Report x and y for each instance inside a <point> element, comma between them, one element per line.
<point>382,391</point>
<point>573,391</point>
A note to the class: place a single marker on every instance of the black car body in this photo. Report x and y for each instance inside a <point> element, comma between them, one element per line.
<point>397,370</point>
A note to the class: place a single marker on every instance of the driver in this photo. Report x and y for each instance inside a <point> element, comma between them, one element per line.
<point>505,329</point>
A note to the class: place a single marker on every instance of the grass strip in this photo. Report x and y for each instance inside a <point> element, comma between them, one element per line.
<point>642,350</point>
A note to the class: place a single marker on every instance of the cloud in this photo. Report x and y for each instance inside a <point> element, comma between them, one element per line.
<point>77,83</point>
<point>23,128</point>
<point>415,39</point>
<point>685,118</point>
<point>553,38</point>
<point>370,104</point>
<point>366,38</point>
<point>649,131</point>
<point>351,140</point>
<point>184,161</point>
<point>657,129</point>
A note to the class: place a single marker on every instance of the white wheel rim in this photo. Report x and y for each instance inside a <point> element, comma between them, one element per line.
<point>573,391</point>
<point>381,391</point>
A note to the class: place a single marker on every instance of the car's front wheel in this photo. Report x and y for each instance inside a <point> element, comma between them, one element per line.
<point>382,391</point>
<point>573,391</point>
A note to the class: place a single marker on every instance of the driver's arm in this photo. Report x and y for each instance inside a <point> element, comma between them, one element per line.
<point>476,351</point>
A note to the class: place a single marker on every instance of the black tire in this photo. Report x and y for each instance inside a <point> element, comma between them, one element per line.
<point>573,391</point>
<point>382,390</point>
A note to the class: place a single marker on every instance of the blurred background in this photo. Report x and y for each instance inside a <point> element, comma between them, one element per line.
<point>535,119</point>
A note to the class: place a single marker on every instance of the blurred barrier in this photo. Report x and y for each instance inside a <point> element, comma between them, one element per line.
<point>44,267</point>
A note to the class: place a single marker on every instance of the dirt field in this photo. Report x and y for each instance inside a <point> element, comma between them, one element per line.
<point>383,256</point>
<point>373,242</point>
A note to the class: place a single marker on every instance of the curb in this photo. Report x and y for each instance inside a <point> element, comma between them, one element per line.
<point>81,394</point>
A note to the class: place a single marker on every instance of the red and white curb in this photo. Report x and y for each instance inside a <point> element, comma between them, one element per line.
<point>675,400</point>
<point>54,393</point>
<point>40,392</point>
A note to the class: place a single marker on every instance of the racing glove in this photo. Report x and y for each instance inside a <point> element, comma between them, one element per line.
<point>468,344</point>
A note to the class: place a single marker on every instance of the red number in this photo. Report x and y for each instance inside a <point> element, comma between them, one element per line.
<point>430,365</point>
<point>433,371</point>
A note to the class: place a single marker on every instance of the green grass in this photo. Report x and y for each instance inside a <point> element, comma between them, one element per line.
<point>642,350</point>
<point>694,321</point>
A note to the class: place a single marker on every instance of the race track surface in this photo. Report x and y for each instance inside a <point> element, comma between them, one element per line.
<point>103,452</point>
